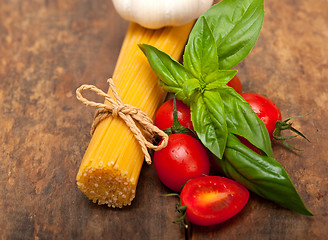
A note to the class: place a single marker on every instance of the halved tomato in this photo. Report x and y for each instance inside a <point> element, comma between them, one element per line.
<point>212,199</point>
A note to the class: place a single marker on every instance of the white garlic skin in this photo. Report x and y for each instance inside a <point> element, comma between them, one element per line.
<point>155,14</point>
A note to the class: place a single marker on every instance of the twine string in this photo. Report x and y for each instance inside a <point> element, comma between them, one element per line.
<point>129,114</point>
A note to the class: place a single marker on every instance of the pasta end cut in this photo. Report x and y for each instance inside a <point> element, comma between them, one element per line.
<point>107,186</point>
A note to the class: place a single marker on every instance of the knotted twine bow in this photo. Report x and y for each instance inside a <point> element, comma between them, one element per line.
<point>130,115</point>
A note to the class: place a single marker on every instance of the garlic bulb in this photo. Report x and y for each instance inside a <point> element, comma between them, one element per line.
<point>159,13</point>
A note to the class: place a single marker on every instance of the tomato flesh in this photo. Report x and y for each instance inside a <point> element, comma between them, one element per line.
<point>182,159</point>
<point>164,115</point>
<point>212,199</point>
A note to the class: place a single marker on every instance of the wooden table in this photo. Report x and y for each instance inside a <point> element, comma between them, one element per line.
<point>48,48</point>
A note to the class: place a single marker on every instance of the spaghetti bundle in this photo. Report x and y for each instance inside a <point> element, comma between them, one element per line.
<point>110,168</point>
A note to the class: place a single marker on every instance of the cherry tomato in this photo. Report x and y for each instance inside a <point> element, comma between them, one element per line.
<point>265,109</point>
<point>249,145</point>
<point>164,115</point>
<point>212,199</point>
<point>235,84</point>
<point>182,159</point>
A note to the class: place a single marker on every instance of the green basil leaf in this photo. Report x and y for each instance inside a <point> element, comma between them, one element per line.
<point>171,73</point>
<point>243,121</point>
<point>261,174</point>
<point>178,91</point>
<point>218,78</point>
<point>191,87</point>
<point>236,26</point>
<point>200,56</point>
<point>208,117</point>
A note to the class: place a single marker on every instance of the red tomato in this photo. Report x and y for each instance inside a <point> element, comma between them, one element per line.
<point>249,145</point>
<point>182,159</point>
<point>212,199</point>
<point>265,109</point>
<point>235,84</point>
<point>164,115</point>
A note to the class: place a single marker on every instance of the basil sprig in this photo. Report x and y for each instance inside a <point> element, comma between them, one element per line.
<point>220,39</point>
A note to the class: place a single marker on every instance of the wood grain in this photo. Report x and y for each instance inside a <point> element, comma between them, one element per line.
<point>49,48</point>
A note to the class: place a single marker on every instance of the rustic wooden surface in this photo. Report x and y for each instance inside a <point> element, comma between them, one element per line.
<point>50,47</point>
